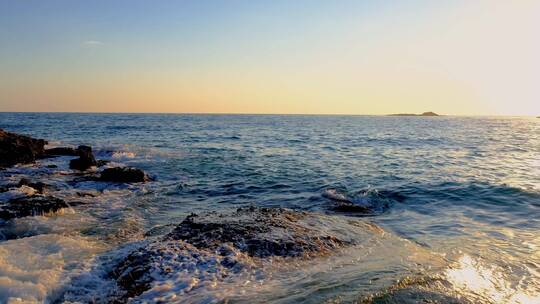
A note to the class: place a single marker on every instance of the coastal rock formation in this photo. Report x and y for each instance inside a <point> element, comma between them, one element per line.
<point>123,175</point>
<point>85,161</point>
<point>39,186</point>
<point>15,149</point>
<point>101,162</point>
<point>423,114</point>
<point>61,151</point>
<point>225,244</point>
<point>365,202</point>
<point>253,231</point>
<point>31,206</point>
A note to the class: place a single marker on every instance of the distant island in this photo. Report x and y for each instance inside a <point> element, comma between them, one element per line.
<point>423,114</point>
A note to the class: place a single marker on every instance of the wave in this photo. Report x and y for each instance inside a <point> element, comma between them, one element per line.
<point>369,201</point>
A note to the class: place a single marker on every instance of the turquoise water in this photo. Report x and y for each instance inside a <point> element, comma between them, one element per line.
<point>461,193</point>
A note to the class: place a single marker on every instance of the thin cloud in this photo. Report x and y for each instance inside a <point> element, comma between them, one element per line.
<point>92,43</point>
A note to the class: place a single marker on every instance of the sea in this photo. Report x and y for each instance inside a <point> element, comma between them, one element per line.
<point>456,203</point>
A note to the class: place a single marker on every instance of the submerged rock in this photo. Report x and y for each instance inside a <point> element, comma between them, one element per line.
<point>31,206</point>
<point>210,247</point>
<point>85,161</point>
<point>123,175</point>
<point>366,202</point>
<point>15,149</point>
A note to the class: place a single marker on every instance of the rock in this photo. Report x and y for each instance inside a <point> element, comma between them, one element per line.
<point>351,208</point>
<point>247,230</point>
<point>85,161</point>
<point>136,273</point>
<point>61,151</point>
<point>39,186</point>
<point>52,166</point>
<point>31,206</point>
<point>15,149</point>
<point>101,162</point>
<point>123,175</point>
<point>217,246</point>
<point>423,114</point>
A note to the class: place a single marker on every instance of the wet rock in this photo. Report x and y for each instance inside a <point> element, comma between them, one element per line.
<point>101,163</point>
<point>85,161</point>
<point>61,151</point>
<point>39,186</point>
<point>140,269</point>
<point>15,149</point>
<point>31,206</point>
<point>223,244</point>
<point>259,232</point>
<point>86,194</point>
<point>350,207</point>
<point>123,175</point>
<point>367,202</point>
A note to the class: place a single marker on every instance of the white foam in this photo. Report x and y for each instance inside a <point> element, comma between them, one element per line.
<point>19,192</point>
<point>334,194</point>
<point>123,155</point>
<point>32,269</point>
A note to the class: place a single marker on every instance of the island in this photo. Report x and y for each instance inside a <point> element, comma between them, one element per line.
<point>423,114</point>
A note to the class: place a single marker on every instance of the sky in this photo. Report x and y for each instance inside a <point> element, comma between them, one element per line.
<point>473,57</point>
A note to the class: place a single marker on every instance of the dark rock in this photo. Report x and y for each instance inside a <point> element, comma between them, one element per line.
<point>123,175</point>
<point>423,114</point>
<point>225,244</point>
<point>31,206</point>
<point>86,194</point>
<point>85,161</point>
<point>350,207</point>
<point>61,151</point>
<point>52,166</point>
<point>362,203</point>
<point>39,186</point>
<point>15,149</point>
<point>248,230</point>
<point>101,162</point>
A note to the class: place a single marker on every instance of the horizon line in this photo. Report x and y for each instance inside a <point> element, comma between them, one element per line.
<point>269,114</point>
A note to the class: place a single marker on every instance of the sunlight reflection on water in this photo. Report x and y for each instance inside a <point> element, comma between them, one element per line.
<point>472,277</point>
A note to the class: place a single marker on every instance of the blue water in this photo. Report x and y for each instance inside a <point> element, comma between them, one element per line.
<point>464,188</point>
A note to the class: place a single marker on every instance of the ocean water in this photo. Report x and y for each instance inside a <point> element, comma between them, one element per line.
<point>455,202</point>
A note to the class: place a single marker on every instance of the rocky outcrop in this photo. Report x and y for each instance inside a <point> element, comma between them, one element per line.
<point>85,161</point>
<point>252,230</point>
<point>225,244</point>
<point>423,114</point>
<point>31,206</point>
<point>123,175</point>
<point>19,149</point>
<point>61,151</point>
<point>39,186</point>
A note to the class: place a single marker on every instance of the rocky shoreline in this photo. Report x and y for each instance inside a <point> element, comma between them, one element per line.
<point>206,248</point>
<point>31,198</point>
